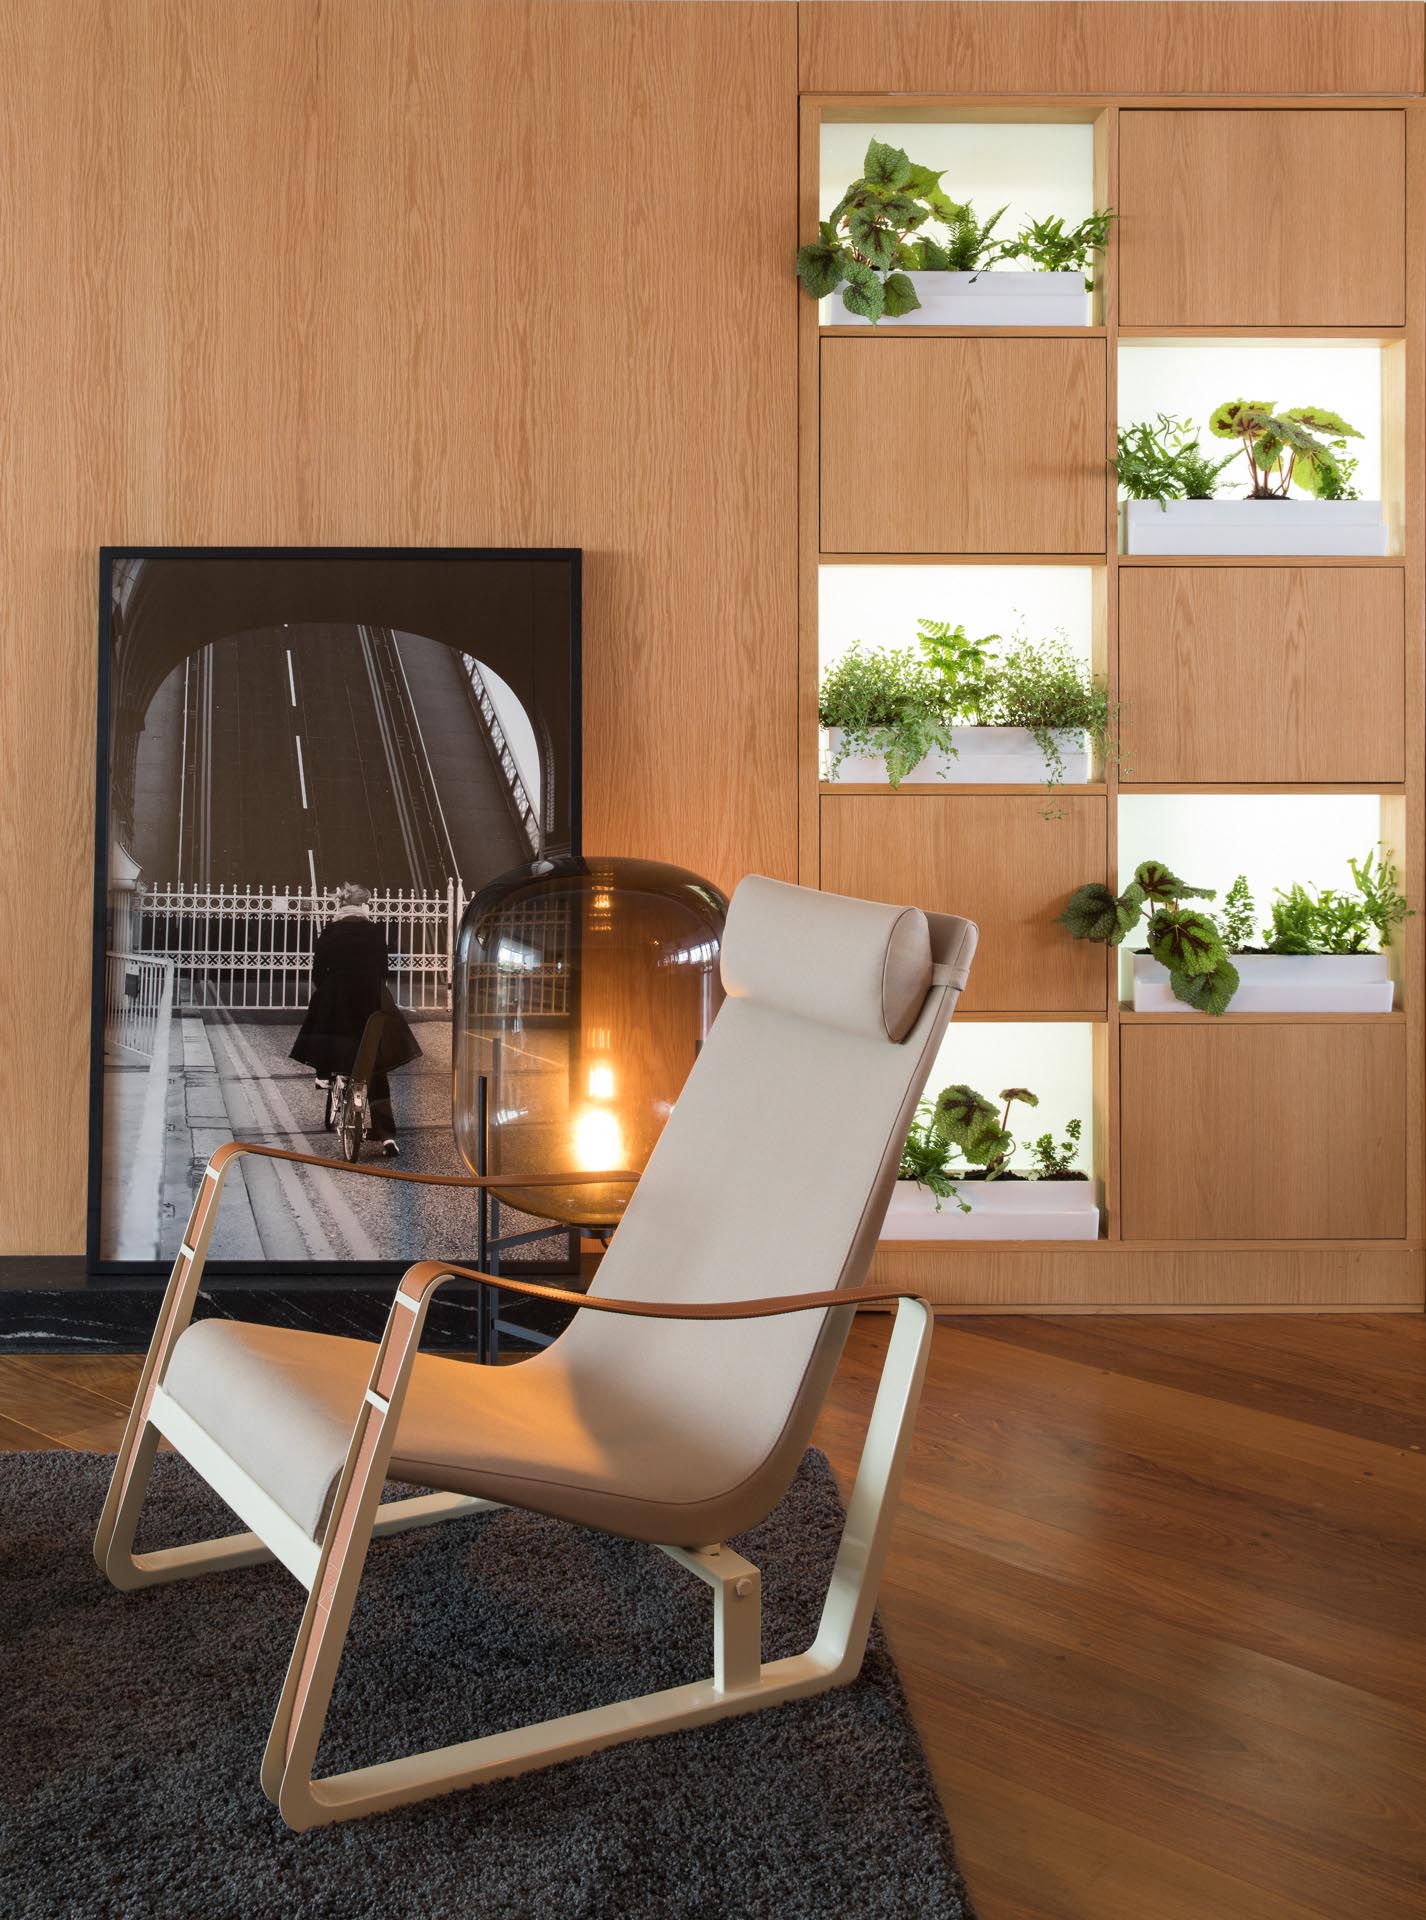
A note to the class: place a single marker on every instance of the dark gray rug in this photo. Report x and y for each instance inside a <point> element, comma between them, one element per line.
<point>133,1727</point>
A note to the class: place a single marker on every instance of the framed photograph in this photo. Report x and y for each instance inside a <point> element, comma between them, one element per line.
<point>309,760</point>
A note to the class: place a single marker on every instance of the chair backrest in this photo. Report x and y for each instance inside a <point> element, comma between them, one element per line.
<point>772,1176</point>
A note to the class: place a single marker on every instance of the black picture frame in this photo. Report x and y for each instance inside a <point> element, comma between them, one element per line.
<point>569,839</point>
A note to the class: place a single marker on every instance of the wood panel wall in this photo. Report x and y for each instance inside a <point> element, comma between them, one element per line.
<point>1112,46</point>
<point>393,272</point>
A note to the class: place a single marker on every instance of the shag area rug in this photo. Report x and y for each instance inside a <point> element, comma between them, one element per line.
<point>133,1726</point>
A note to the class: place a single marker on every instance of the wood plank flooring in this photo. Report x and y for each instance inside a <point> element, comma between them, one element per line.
<point>1158,1592</point>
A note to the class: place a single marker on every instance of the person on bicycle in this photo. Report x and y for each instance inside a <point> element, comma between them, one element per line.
<point>350,964</point>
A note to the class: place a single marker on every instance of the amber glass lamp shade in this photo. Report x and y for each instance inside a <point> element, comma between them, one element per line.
<point>583,991</point>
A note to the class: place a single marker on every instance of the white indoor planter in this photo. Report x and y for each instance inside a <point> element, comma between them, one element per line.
<point>1282,983</point>
<point>985,756</point>
<point>981,300</point>
<point>1307,527</point>
<point>999,1210</point>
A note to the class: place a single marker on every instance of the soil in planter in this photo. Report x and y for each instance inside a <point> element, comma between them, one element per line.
<point>1274,953</point>
<point>1030,1179</point>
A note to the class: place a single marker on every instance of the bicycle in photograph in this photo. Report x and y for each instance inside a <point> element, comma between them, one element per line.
<point>348,1107</point>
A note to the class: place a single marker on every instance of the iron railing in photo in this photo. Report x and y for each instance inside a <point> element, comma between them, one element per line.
<point>519,794</point>
<point>250,948</point>
<point>138,1001</point>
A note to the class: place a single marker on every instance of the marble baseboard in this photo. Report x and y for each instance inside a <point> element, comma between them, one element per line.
<point>52,1306</point>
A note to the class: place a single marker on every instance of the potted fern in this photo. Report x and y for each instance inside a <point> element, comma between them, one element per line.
<point>1170,485</point>
<point>958,1182</point>
<point>900,251</point>
<point>1324,951</point>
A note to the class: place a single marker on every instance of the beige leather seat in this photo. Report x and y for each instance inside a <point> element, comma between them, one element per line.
<point>674,1409</point>
<point>659,1430</point>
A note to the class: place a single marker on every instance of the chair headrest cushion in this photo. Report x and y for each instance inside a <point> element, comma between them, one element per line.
<point>820,956</point>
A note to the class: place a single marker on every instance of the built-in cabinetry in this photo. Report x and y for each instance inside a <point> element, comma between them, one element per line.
<point>1246,1160</point>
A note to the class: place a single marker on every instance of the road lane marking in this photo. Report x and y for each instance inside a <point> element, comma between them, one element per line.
<point>301,771</point>
<point>291,683</point>
<point>312,869</point>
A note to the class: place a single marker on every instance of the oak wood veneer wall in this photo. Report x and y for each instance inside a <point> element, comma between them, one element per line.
<point>247,294</point>
<point>390,272</point>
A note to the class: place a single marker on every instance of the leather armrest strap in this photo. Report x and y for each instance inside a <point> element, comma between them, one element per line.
<point>233,1149</point>
<point>428,1274</point>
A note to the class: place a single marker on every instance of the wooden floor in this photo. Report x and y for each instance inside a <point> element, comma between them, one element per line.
<point>1158,1591</point>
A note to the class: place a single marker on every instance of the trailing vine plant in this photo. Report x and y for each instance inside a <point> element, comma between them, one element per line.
<point>888,705</point>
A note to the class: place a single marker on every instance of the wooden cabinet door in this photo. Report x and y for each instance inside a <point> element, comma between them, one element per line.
<point>1270,1131</point>
<point>1282,217</point>
<point>1247,675</point>
<point>996,860</point>
<point>963,446</point>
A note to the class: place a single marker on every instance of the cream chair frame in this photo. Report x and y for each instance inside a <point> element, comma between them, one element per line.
<point>331,1571</point>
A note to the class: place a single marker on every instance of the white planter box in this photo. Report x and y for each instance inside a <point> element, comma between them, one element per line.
<point>999,1210</point>
<point>996,299</point>
<point>984,756</point>
<point>1305,527</point>
<point>1281,983</point>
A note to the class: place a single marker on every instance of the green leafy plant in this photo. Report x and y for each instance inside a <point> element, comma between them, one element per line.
<point>1324,920</point>
<point>926,1158</point>
<point>861,246</point>
<point>876,234</point>
<point>1239,916</point>
<point>888,705</point>
<point>980,1131</point>
<point>1185,940</point>
<point>1044,686</point>
<point>1161,459</point>
<point>963,664</point>
<point>1336,483</point>
<point>1051,247</point>
<point>961,1125</point>
<point>968,246</point>
<point>1301,446</point>
<point>1057,1162</point>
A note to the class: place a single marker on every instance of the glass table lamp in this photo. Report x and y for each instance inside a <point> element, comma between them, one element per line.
<point>583,991</point>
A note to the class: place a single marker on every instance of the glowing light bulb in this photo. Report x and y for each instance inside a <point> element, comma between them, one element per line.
<point>598,1141</point>
<point>601,1081</point>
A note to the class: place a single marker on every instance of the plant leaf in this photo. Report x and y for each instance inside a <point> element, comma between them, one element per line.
<point>886,166</point>
<point>921,181</point>
<point>1185,941</point>
<point>967,1120</point>
<point>1322,418</point>
<point>1129,906</point>
<point>1207,992</point>
<point>871,236</point>
<point>1162,885</point>
<point>898,296</point>
<point>862,293</point>
<point>1237,417</point>
<point>1022,1094</point>
<point>820,267</point>
<point>902,211</point>
<point>1092,913</point>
